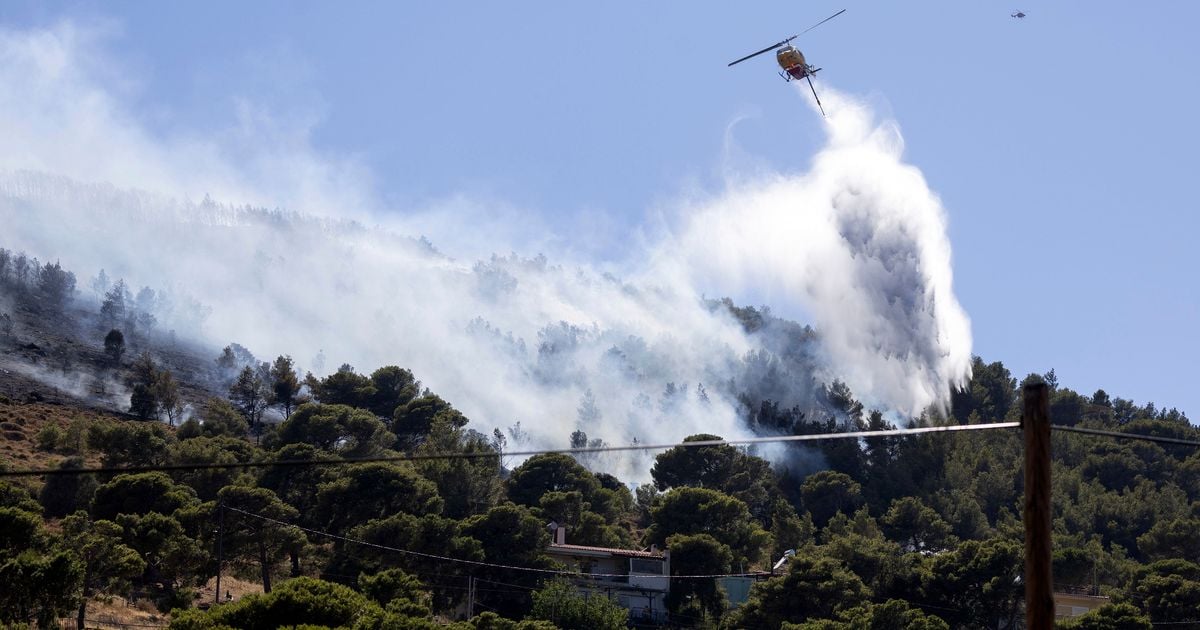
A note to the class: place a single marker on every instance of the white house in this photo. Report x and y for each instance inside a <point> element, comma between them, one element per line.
<point>637,580</point>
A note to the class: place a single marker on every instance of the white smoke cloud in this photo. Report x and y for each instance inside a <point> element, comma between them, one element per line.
<point>858,241</point>
<point>66,111</point>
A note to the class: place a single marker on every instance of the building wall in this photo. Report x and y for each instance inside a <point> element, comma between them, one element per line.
<point>644,595</point>
<point>1072,605</point>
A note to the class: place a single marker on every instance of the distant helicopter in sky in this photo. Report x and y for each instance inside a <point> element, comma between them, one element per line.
<point>1019,15</point>
<point>792,60</point>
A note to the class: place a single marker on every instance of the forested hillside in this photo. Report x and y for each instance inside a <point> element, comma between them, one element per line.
<point>447,528</point>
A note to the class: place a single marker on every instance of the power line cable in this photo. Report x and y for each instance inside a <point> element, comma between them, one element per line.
<point>813,437</point>
<point>1125,436</point>
<point>285,463</point>
<point>444,585</point>
<point>478,563</point>
<point>424,574</point>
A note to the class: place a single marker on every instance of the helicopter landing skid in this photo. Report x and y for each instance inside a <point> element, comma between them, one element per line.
<point>808,72</point>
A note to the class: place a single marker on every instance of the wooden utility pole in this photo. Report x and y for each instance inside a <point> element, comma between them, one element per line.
<point>1039,583</point>
<point>470,597</point>
<point>220,549</point>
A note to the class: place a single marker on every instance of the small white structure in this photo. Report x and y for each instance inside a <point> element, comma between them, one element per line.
<point>637,580</point>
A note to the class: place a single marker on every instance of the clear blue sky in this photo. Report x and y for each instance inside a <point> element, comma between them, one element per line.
<point>1063,145</point>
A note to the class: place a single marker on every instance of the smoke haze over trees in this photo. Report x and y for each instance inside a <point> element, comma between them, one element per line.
<point>916,532</point>
<point>647,355</point>
<point>876,526</point>
<point>857,243</point>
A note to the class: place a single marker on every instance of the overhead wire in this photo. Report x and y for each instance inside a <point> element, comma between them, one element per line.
<point>476,563</point>
<point>565,573</point>
<point>568,451</point>
<point>1127,436</point>
<point>415,457</point>
<point>424,574</point>
<point>443,585</point>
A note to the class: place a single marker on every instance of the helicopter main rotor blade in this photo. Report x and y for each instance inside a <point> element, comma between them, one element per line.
<point>820,23</point>
<point>767,49</point>
<point>774,46</point>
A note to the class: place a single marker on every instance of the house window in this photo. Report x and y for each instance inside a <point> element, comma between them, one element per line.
<point>638,565</point>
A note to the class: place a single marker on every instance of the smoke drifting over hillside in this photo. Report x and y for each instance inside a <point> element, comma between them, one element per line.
<point>858,242</point>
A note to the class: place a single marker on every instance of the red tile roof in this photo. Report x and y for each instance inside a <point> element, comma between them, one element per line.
<point>628,553</point>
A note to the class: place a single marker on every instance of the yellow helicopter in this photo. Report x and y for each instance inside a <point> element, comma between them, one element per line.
<point>792,60</point>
